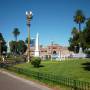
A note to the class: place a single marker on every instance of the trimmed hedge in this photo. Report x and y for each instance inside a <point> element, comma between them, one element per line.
<point>35,61</point>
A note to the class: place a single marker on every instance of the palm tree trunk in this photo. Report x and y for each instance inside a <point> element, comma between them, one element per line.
<point>16,46</point>
<point>79,27</point>
<point>16,38</point>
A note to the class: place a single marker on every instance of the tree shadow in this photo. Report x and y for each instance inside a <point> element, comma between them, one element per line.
<point>86,66</point>
<point>41,65</point>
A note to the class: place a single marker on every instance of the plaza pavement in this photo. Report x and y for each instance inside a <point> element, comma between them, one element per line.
<point>9,81</point>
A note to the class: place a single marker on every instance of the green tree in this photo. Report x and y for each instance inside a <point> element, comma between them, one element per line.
<point>21,47</point>
<point>74,32</point>
<point>80,38</point>
<point>74,40</point>
<point>16,33</point>
<point>12,45</point>
<point>79,18</point>
<point>3,46</point>
<point>86,34</point>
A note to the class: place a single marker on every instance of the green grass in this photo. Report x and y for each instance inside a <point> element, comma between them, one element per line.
<point>70,68</point>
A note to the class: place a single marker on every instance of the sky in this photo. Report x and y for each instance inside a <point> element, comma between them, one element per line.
<point>52,19</point>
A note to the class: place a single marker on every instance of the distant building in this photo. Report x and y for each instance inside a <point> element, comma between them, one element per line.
<point>53,51</point>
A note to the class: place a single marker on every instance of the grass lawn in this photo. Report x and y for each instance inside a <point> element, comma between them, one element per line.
<point>78,69</point>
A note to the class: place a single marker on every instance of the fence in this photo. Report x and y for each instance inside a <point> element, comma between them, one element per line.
<point>73,84</point>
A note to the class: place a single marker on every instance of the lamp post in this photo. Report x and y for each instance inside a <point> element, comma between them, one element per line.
<point>28,17</point>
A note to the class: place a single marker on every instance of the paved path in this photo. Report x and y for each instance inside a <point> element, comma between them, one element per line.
<point>9,81</point>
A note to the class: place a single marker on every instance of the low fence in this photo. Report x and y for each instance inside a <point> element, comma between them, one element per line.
<point>73,84</point>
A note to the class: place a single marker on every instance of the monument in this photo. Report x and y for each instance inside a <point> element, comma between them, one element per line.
<point>37,46</point>
<point>8,47</point>
<point>80,54</point>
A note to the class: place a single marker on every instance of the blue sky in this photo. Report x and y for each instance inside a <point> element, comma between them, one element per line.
<point>52,19</point>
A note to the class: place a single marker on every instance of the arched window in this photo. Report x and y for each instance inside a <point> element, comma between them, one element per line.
<point>54,52</point>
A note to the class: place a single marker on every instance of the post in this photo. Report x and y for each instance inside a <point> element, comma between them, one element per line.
<point>28,17</point>
<point>28,43</point>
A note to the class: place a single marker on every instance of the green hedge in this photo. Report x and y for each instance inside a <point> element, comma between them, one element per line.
<point>35,61</point>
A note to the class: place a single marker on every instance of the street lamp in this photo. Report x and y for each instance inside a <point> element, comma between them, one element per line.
<point>28,17</point>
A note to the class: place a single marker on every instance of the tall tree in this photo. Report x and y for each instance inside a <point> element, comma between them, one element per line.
<point>12,45</point>
<point>16,33</point>
<point>86,34</point>
<point>20,46</point>
<point>3,47</point>
<point>74,32</point>
<point>74,40</point>
<point>79,18</point>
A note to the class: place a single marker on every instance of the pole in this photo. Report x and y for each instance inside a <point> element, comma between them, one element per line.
<point>29,17</point>
<point>28,43</point>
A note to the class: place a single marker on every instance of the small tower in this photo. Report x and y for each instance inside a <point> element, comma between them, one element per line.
<point>37,46</point>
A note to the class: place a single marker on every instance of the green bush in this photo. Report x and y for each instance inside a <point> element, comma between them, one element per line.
<point>35,61</point>
<point>87,51</point>
<point>16,59</point>
<point>19,59</point>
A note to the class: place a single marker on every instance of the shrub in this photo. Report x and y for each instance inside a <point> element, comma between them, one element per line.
<point>87,51</point>
<point>35,61</point>
<point>16,59</point>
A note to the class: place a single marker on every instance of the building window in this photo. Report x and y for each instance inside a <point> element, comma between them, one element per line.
<point>54,52</point>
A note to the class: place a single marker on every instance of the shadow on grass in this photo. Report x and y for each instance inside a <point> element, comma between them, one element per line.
<point>86,66</point>
<point>41,66</point>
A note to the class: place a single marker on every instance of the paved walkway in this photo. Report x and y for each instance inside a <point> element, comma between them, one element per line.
<point>9,81</point>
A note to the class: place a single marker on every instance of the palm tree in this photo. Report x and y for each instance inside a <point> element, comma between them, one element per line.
<point>16,33</point>
<point>79,18</point>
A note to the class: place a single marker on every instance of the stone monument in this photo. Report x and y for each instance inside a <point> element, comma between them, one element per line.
<point>80,54</point>
<point>8,47</point>
<point>37,46</point>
